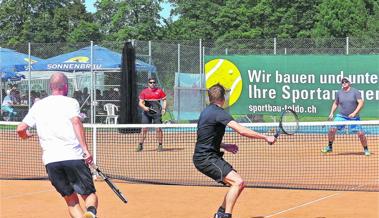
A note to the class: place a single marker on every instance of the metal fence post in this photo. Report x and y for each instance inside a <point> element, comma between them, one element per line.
<point>179,60</point>
<point>347,45</point>
<point>200,65</point>
<point>203,70</point>
<point>274,46</point>
<point>203,60</point>
<point>178,118</point>
<point>202,76</point>
<point>30,76</point>
<point>93,120</point>
<point>150,53</point>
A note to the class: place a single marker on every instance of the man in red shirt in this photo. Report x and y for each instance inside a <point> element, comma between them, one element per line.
<point>150,102</point>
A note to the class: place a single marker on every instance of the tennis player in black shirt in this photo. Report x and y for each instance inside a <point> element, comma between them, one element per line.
<point>207,157</point>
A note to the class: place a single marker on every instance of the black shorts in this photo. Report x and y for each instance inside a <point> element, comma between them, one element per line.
<point>214,167</point>
<point>148,118</point>
<point>71,176</point>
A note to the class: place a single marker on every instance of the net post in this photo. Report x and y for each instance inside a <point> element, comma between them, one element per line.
<point>94,152</point>
<point>30,76</point>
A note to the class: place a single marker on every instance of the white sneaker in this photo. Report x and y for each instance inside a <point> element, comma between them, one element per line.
<point>367,152</point>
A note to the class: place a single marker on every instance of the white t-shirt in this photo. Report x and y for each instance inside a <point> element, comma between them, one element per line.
<point>52,118</point>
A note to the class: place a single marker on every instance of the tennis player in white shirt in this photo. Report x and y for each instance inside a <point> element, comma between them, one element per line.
<point>65,151</point>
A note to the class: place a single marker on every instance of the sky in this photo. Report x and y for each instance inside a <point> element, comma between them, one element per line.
<point>89,5</point>
<point>164,13</point>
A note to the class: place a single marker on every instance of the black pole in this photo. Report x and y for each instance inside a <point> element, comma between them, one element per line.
<point>129,95</point>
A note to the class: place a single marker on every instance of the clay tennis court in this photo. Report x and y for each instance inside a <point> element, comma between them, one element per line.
<point>294,162</point>
<point>38,199</point>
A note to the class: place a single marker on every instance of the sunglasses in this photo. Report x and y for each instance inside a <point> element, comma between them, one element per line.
<point>344,82</point>
<point>152,82</point>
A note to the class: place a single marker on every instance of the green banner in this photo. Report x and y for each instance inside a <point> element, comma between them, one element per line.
<point>268,84</point>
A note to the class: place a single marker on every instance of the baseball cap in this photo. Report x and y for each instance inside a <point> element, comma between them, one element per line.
<point>345,80</point>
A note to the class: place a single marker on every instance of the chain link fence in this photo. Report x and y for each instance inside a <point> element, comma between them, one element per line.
<point>177,65</point>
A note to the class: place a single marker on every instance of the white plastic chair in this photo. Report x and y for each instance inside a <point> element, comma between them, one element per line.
<point>111,113</point>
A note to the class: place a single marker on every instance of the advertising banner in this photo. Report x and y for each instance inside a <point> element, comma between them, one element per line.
<point>267,84</point>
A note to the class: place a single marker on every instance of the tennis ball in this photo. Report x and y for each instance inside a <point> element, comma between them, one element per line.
<point>227,74</point>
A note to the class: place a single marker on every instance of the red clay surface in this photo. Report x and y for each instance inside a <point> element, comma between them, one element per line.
<point>37,199</point>
<point>291,160</point>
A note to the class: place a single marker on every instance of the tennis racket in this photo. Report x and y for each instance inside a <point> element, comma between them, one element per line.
<point>110,184</point>
<point>288,123</point>
<point>152,110</point>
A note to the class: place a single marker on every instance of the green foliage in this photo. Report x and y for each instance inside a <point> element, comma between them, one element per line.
<point>221,20</point>
<point>242,19</point>
<point>41,21</point>
<point>133,19</point>
<point>355,18</point>
<point>85,32</point>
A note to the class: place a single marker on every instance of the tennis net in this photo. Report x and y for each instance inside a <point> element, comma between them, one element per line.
<point>294,162</point>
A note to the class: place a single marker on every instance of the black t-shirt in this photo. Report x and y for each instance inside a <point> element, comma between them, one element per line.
<point>210,131</point>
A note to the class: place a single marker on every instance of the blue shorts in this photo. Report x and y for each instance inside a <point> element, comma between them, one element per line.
<point>352,128</point>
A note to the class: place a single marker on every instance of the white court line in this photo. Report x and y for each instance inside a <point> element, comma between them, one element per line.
<point>24,194</point>
<point>305,204</point>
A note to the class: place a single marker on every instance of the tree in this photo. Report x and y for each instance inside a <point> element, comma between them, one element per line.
<point>281,19</point>
<point>41,21</point>
<point>85,32</point>
<point>13,16</point>
<point>237,19</point>
<point>372,6</point>
<point>196,19</point>
<point>343,18</point>
<point>133,19</point>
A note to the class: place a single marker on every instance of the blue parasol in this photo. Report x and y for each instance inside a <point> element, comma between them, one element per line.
<point>80,60</point>
<point>11,61</point>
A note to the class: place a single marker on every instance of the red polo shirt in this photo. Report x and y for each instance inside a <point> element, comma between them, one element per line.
<point>155,94</point>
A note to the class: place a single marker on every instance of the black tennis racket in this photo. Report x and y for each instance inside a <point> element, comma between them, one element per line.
<point>110,184</point>
<point>288,123</point>
<point>152,110</point>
